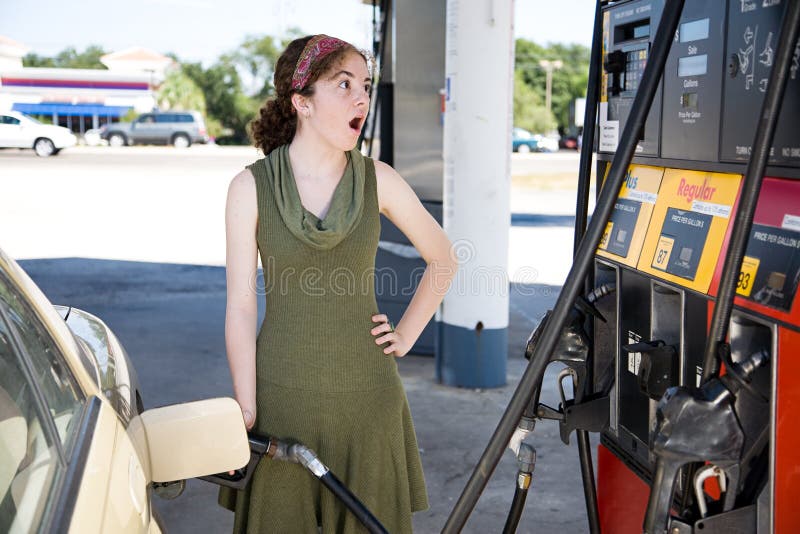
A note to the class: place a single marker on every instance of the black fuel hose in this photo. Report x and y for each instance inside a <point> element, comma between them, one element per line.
<point>517,504</point>
<point>600,292</point>
<point>526,458</point>
<point>352,502</point>
<point>308,459</point>
<point>269,447</point>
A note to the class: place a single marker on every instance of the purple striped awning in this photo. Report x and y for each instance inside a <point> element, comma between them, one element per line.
<point>75,84</point>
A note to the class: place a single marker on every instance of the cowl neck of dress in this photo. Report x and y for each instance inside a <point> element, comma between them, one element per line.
<point>346,206</point>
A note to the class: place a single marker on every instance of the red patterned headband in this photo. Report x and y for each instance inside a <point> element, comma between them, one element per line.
<point>317,48</point>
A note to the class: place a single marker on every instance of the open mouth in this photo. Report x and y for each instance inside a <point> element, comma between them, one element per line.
<point>355,123</point>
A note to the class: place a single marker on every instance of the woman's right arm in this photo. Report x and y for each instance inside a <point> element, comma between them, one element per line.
<point>241,310</point>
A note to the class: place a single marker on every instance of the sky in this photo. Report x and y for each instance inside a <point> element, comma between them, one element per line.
<point>202,30</point>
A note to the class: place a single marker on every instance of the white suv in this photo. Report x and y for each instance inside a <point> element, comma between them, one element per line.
<point>17,130</point>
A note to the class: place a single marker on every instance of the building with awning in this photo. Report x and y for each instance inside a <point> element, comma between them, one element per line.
<point>80,99</point>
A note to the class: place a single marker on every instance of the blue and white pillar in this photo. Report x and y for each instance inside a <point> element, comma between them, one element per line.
<point>479,67</point>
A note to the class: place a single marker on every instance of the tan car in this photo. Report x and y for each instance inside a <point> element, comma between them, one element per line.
<point>77,454</point>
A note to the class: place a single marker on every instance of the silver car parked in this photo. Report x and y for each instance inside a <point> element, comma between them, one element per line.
<point>178,128</point>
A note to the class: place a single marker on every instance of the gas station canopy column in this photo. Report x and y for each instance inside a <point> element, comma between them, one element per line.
<point>473,321</point>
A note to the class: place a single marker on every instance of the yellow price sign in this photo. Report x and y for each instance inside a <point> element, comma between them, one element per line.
<point>663,251</point>
<point>747,276</point>
<point>606,235</point>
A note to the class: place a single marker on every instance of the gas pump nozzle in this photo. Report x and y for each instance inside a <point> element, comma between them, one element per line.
<point>259,447</point>
<point>572,349</point>
<point>697,426</point>
<point>274,449</point>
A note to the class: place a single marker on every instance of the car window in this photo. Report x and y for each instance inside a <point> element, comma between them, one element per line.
<point>146,119</point>
<point>166,117</point>
<point>185,118</point>
<point>519,133</point>
<point>28,454</point>
<point>49,369</point>
<point>5,119</point>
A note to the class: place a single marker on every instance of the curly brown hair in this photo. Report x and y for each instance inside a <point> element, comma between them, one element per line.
<point>277,119</point>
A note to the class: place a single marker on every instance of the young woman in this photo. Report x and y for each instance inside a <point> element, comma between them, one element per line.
<point>321,370</point>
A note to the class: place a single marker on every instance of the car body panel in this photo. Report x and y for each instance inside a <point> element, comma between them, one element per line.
<point>89,510</point>
<point>547,144</point>
<point>160,128</point>
<point>128,504</point>
<point>46,313</point>
<point>172,435</point>
<point>521,137</point>
<point>26,131</point>
<point>99,479</point>
<point>117,376</point>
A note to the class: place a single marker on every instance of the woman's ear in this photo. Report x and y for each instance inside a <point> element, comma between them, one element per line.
<point>301,105</point>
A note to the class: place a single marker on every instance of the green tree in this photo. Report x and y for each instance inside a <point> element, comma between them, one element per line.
<point>69,58</point>
<point>225,101</point>
<point>529,111</point>
<point>35,60</point>
<point>179,91</point>
<point>569,82</point>
<point>257,56</point>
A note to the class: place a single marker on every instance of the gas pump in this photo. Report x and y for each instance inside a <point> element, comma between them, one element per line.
<point>697,229</point>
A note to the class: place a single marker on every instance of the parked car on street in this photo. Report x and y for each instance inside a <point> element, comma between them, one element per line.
<point>546,143</point>
<point>523,141</point>
<point>18,130</point>
<point>77,451</point>
<point>569,142</point>
<point>178,128</point>
<point>92,137</point>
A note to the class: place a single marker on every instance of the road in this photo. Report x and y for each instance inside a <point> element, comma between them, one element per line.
<point>159,204</point>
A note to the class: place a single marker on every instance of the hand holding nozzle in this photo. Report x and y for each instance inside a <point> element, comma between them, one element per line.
<point>274,449</point>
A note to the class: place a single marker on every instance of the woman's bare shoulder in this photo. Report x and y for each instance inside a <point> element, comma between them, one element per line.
<point>383,170</point>
<point>242,193</point>
<point>393,190</point>
<point>244,181</point>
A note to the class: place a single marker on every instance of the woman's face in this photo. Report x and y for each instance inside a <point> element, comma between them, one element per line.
<point>340,102</point>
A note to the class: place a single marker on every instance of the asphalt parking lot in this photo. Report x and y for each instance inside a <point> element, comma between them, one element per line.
<point>136,236</point>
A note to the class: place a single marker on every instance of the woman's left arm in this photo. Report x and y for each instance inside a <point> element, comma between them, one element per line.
<point>400,204</point>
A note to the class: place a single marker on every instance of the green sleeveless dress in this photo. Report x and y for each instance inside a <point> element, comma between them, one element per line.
<point>321,379</point>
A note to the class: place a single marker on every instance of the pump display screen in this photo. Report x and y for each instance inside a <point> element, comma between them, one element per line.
<point>681,243</point>
<point>693,65</point>
<point>694,31</point>
<point>771,267</point>
<point>637,29</point>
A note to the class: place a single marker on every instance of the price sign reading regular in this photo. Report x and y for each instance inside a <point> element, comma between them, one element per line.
<point>688,226</point>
